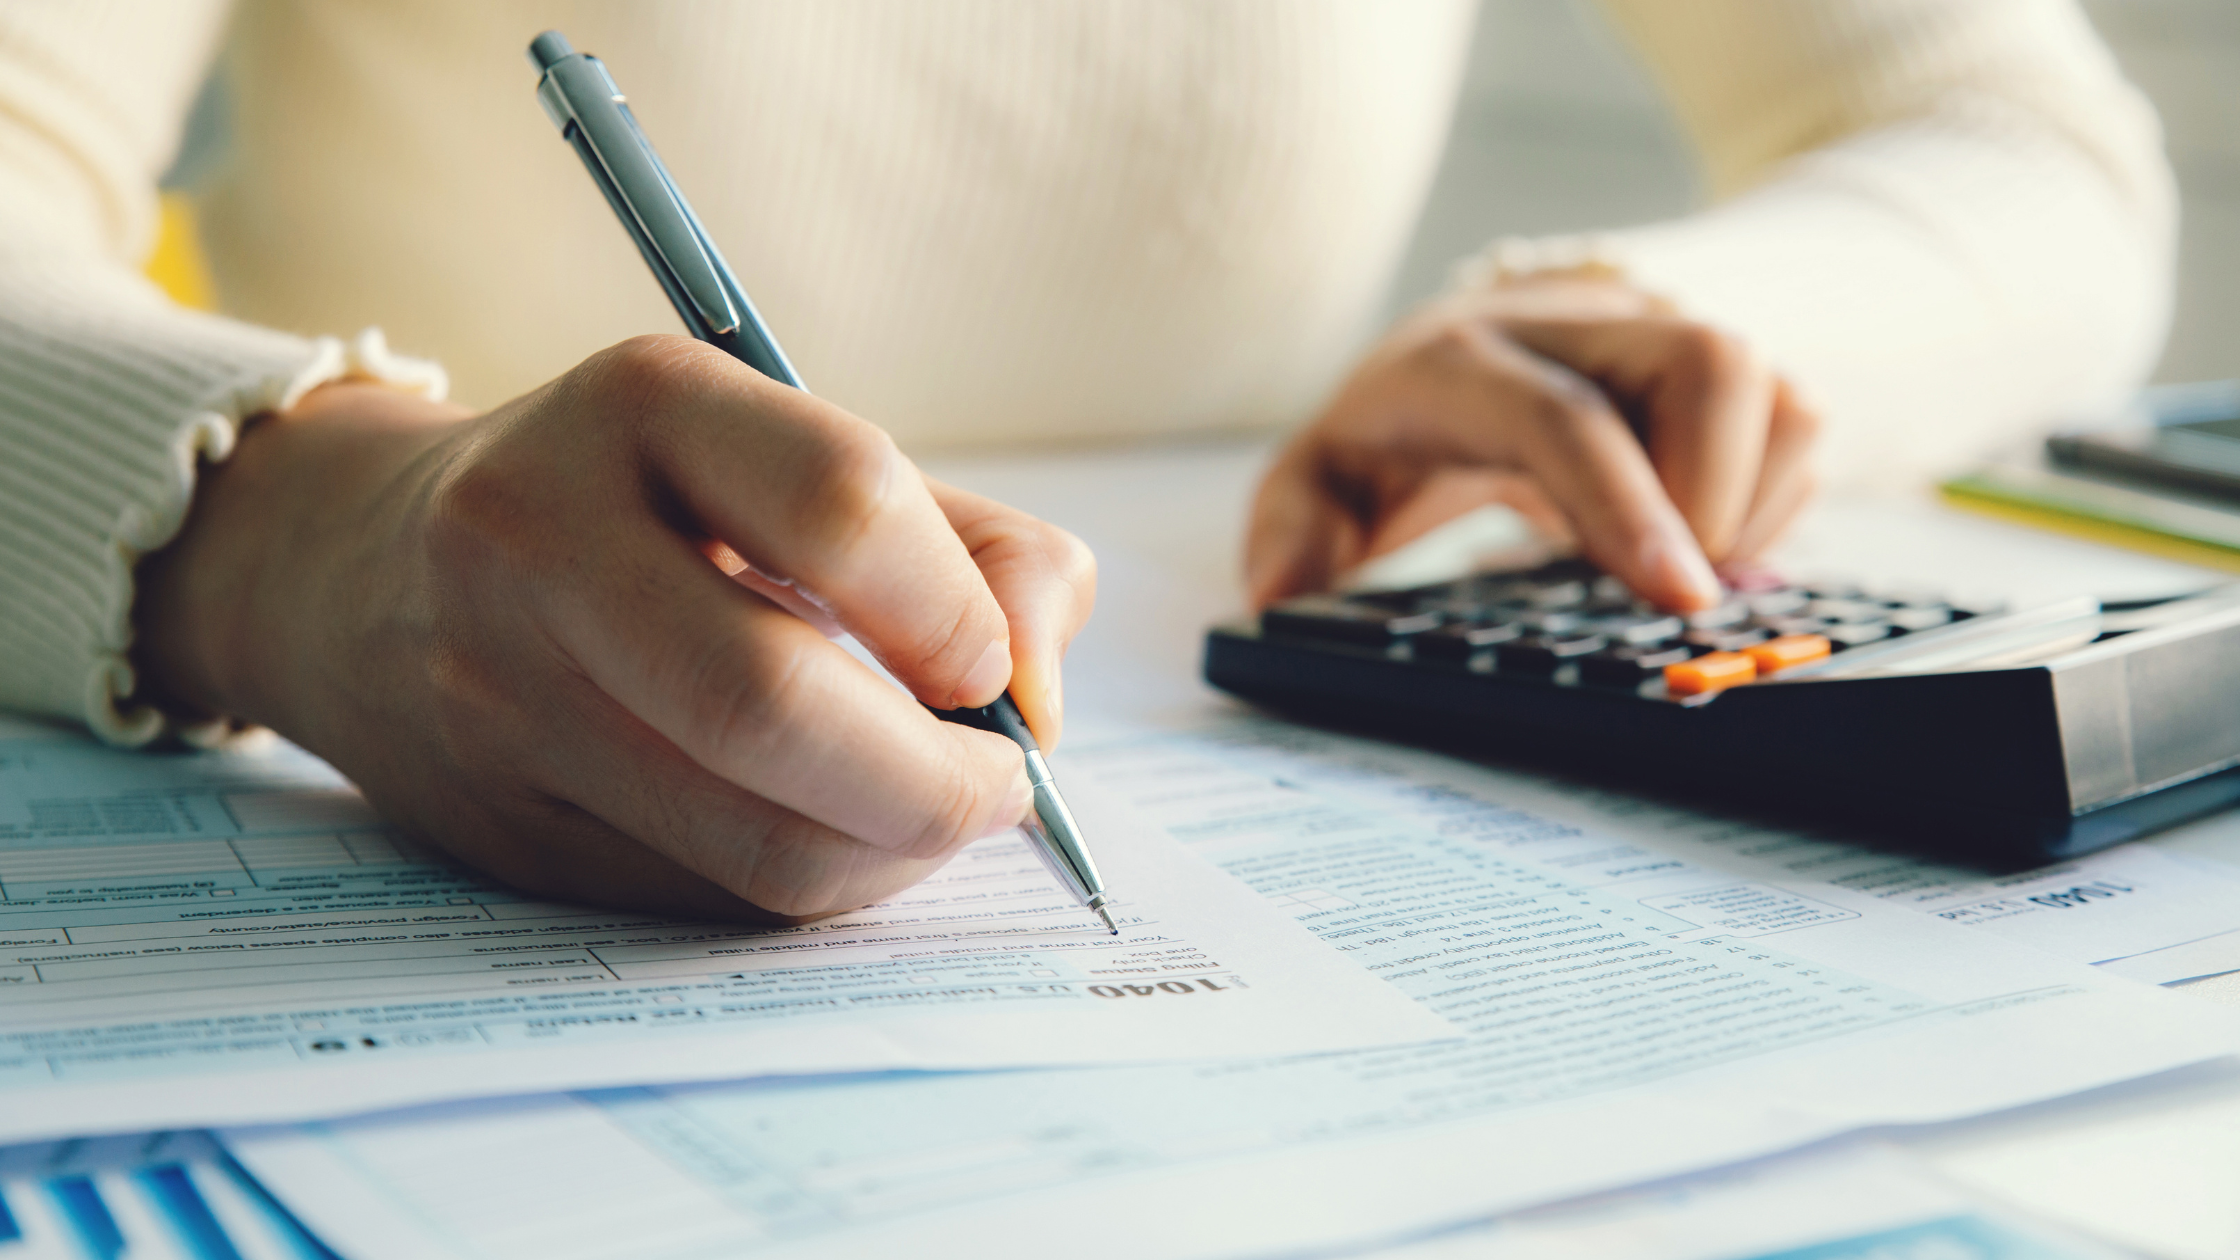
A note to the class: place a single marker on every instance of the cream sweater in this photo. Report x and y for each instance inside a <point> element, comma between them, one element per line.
<point>979,221</point>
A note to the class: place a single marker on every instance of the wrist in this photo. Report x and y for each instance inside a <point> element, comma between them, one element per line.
<point>220,612</point>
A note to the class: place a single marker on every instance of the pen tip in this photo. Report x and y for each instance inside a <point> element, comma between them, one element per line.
<point>1106,915</point>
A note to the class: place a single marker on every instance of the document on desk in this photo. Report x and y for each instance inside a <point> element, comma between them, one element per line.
<point>1855,1201</point>
<point>2132,910</point>
<point>1631,1014</point>
<point>226,937</point>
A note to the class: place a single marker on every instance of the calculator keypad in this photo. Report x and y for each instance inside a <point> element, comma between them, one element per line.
<point>1569,624</point>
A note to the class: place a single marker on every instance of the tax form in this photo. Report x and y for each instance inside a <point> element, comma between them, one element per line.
<point>1630,1013</point>
<point>2134,910</point>
<point>234,936</point>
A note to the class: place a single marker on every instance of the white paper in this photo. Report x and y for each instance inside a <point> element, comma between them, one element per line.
<point>1632,1015</point>
<point>2134,910</point>
<point>2150,1169</point>
<point>233,937</point>
<point>1861,1201</point>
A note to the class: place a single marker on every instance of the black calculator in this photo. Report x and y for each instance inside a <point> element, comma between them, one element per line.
<point>1969,729</point>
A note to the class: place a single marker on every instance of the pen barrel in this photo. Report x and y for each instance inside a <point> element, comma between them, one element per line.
<point>1080,872</point>
<point>1057,841</point>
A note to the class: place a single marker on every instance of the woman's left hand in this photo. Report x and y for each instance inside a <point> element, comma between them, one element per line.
<point>1663,445</point>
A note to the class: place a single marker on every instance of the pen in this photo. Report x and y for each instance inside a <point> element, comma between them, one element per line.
<point>582,100</point>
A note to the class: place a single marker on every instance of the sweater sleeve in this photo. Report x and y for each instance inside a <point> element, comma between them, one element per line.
<point>109,394</point>
<point>1950,223</point>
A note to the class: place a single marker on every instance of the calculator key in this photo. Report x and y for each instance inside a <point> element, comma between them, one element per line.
<point>1788,652</point>
<point>1456,644</point>
<point>1635,629</point>
<point>1541,654</point>
<point>1714,672</point>
<point>1782,603</point>
<point>1569,594</point>
<point>1778,626</point>
<point>1962,609</point>
<point>1910,597</point>
<point>1853,634</point>
<point>1629,666</point>
<point>1500,590</point>
<point>1732,640</point>
<point>1908,620</point>
<point>1550,621</point>
<point>1610,590</point>
<point>1338,619</point>
<point>1731,613</point>
<point>1455,607</point>
<point>1845,610</point>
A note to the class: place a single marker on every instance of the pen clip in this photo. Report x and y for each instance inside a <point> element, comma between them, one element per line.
<point>582,99</point>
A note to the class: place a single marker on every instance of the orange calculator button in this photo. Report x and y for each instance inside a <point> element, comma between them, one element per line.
<point>1787,651</point>
<point>1712,671</point>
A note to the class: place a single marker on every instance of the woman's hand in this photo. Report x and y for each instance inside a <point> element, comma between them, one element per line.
<point>508,631</point>
<point>1662,445</point>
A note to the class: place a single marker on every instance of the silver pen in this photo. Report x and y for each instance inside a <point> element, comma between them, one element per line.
<point>594,118</point>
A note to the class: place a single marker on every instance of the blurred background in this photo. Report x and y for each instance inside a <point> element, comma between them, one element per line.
<point>1558,130</point>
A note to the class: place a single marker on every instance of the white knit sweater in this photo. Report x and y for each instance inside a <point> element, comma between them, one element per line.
<point>979,220</point>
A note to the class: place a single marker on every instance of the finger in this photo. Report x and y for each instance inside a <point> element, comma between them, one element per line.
<point>759,698</point>
<point>669,829</point>
<point>1045,580</point>
<point>1787,481</point>
<point>1471,397</point>
<point>1704,399</point>
<point>1300,537</point>
<point>1454,492</point>
<point>812,496</point>
<point>782,594</point>
<point>1585,454</point>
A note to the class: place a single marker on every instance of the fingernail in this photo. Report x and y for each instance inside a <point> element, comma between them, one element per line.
<point>985,680</point>
<point>1678,564</point>
<point>1014,809</point>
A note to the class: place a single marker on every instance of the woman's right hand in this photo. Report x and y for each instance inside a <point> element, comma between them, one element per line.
<point>507,629</point>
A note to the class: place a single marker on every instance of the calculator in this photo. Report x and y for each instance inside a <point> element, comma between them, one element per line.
<point>1971,730</point>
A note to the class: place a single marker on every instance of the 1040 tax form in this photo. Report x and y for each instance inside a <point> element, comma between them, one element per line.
<point>1631,1013</point>
<point>232,936</point>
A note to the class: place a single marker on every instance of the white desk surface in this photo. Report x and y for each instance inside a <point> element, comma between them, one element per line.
<point>2153,1167</point>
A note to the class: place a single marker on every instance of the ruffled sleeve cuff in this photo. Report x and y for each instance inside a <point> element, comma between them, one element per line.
<point>110,400</point>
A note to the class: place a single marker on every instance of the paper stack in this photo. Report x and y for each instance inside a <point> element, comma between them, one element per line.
<point>1365,998</point>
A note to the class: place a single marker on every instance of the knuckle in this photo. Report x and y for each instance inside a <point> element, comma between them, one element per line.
<point>643,387</point>
<point>1800,421</point>
<point>1071,558</point>
<point>794,873</point>
<point>847,483</point>
<point>1062,556</point>
<point>1453,346</point>
<point>1720,357</point>
<point>1568,403</point>
<point>964,812</point>
<point>481,509</point>
<point>746,702</point>
<point>637,374</point>
<point>965,791</point>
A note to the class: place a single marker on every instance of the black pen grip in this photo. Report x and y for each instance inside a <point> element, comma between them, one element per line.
<point>1002,718</point>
